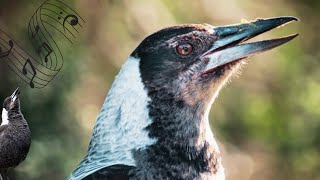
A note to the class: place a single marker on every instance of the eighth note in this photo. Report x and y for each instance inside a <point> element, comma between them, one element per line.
<point>36,32</point>
<point>5,54</point>
<point>49,50</point>
<point>25,72</point>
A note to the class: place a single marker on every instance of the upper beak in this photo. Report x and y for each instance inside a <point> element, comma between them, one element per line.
<point>227,47</point>
<point>15,94</point>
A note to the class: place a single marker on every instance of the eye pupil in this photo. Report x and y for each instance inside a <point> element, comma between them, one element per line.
<point>184,49</point>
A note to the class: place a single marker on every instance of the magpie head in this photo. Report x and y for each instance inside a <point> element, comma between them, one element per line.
<point>12,102</point>
<point>192,62</point>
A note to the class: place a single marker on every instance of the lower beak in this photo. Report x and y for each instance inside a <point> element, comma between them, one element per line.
<point>227,48</point>
<point>15,94</point>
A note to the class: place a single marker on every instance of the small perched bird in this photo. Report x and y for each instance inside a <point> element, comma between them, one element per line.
<point>154,122</point>
<point>15,136</point>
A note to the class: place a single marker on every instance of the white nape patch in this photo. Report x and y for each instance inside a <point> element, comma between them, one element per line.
<point>120,126</point>
<point>4,115</point>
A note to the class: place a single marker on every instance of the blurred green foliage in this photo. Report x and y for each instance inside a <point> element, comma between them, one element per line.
<point>267,120</point>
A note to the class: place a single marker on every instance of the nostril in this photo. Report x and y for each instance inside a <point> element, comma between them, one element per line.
<point>223,32</point>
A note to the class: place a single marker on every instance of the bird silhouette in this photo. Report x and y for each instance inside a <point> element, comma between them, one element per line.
<point>154,122</point>
<point>15,137</point>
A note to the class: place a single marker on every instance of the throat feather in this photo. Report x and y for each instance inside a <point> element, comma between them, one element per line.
<point>5,118</point>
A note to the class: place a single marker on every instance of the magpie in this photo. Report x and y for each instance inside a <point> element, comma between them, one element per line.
<point>15,136</point>
<point>154,122</point>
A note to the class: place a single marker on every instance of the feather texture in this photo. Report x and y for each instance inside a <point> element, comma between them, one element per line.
<point>120,126</point>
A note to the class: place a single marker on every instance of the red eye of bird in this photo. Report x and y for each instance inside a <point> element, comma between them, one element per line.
<point>184,49</point>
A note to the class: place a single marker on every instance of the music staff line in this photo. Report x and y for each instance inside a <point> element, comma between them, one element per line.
<point>59,15</point>
<point>40,72</point>
<point>13,54</point>
<point>21,64</point>
<point>60,30</point>
<point>56,47</point>
<point>61,9</point>
<point>42,8</point>
<point>42,53</point>
<point>15,68</point>
<point>46,40</point>
<point>47,33</point>
<point>34,20</point>
<point>4,54</point>
<point>23,78</point>
<point>16,45</point>
<point>74,12</point>
<point>74,21</point>
<point>17,52</point>
<point>56,19</point>
<point>37,44</point>
<point>59,22</point>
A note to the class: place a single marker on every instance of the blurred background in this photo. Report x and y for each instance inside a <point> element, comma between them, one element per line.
<point>267,121</point>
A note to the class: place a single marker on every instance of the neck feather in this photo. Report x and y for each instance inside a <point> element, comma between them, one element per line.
<point>5,118</point>
<point>120,126</point>
<point>184,138</point>
<point>134,129</point>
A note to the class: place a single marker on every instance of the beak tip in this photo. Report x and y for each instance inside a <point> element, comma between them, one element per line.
<point>287,18</point>
<point>292,18</point>
<point>16,92</point>
<point>295,18</point>
<point>230,35</point>
<point>293,36</point>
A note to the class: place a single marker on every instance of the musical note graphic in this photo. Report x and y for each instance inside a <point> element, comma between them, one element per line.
<point>25,71</point>
<point>5,54</point>
<point>36,32</point>
<point>47,48</point>
<point>60,14</point>
<point>47,34</point>
<point>73,22</point>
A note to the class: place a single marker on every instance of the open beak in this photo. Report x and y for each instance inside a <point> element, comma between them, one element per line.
<point>15,94</point>
<point>229,46</point>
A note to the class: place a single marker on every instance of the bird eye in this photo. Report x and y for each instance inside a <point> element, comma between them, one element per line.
<point>184,49</point>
